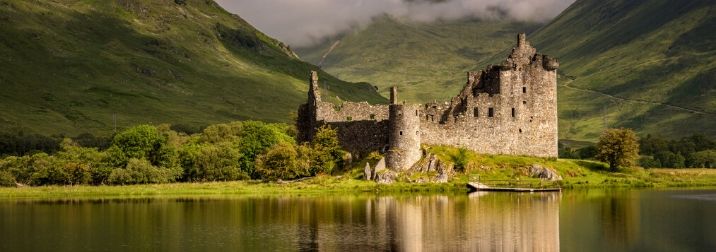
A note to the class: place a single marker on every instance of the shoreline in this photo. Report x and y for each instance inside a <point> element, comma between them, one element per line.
<point>332,185</point>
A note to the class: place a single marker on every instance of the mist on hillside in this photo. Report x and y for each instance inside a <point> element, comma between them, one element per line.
<point>306,22</point>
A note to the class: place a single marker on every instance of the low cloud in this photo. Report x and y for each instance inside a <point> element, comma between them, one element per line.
<point>306,22</point>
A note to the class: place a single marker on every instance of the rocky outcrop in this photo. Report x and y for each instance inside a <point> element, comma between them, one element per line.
<point>386,176</point>
<point>545,173</point>
<point>431,163</point>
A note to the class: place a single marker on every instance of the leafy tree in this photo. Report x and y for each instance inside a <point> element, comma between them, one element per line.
<point>44,170</point>
<point>143,141</point>
<point>327,153</point>
<point>255,138</point>
<point>283,161</point>
<point>649,162</point>
<point>704,159</point>
<point>669,159</point>
<point>141,171</point>
<point>6,179</point>
<point>211,162</point>
<point>618,148</point>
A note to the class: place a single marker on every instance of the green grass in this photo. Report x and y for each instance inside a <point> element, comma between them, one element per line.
<point>575,173</point>
<point>70,67</point>
<point>317,185</point>
<point>647,65</point>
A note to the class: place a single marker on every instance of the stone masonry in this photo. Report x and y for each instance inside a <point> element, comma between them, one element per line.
<point>509,108</point>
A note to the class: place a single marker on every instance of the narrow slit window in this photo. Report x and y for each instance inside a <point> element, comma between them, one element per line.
<point>524,90</point>
<point>490,112</point>
<point>401,133</point>
<point>416,113</point>
<point>513,112</point>
<point>476,112</point>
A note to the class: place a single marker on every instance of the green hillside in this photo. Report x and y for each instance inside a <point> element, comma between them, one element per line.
<point>425,60</point>
<point>648,65</point>
<point>74,66</point>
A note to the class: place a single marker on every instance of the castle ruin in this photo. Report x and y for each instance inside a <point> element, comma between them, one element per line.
<point>509,108</point>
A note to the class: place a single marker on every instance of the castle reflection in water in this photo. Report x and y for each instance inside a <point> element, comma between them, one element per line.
<point>480,222</point>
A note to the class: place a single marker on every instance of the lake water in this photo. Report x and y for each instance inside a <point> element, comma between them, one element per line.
<point>582,220</point>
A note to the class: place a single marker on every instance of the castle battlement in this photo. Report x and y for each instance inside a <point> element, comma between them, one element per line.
<point>509,108</point>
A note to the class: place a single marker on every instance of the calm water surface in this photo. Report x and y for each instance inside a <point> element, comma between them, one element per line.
<point>593,220</point>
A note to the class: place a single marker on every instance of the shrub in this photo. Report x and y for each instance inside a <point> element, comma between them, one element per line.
<point>669,159</point>
<point>649,162</point>
<point>143,141</point>
<point>283,161</point>
<point>327,153</point>
<point>705,159</point>
<point>7,179</point>
<point>45,170</point>
<point>461,159</point>
<point>211,162</point>
<point>256,138</point>
<point>141,171</point>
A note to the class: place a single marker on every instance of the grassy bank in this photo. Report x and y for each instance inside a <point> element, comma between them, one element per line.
<point>575,173</point>
<point>316,185</point>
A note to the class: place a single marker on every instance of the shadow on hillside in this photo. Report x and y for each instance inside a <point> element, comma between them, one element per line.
<point>591,165</point>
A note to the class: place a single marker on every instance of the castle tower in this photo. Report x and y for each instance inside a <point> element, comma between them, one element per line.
<point>314,95</point>
<point>403,134</point>
<point>306,121</point>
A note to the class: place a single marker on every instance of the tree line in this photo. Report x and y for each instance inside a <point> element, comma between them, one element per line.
<point>158,154</point>
<point>695,151</point>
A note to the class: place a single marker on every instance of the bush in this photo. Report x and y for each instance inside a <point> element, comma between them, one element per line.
<point>649,162</point>
<point>7,179</point>
<point>141,171</point>
<point>256,138</point>
<point>45,170</point>
<point>327,153</point>
<point>704,159</point>
<point>143,141</point>
<point>283,161</point>
<point>211,162</point>
<point>460,159</point>
<point>669,159</point>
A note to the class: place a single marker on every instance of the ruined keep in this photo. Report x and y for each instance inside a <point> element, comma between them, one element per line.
<point>509,108</point>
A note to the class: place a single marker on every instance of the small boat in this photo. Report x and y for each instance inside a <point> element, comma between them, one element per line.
<point>473,187</point>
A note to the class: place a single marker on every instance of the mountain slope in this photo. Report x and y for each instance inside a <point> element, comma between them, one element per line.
<point>74,66</point>
<point>426,61</point>
<point>649,65</point>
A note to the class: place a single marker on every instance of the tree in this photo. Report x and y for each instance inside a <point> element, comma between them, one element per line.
<point>618,148</point>
<point>283,161</point>
<point>327,153</point>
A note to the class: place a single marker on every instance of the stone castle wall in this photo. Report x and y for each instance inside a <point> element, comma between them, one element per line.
<point>509,108</point>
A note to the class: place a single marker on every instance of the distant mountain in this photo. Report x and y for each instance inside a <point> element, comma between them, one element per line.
<point>648,65</point>
<point>426,61</point>
<point>81,66</point>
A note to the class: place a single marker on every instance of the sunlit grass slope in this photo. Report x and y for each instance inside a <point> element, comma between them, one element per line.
<point>74,66</point>
<point>648,65</point>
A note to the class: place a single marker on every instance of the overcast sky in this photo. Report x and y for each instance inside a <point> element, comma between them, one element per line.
<point>305,22</point>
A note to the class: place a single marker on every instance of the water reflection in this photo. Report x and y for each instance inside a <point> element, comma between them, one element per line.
<point>479,222</point>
